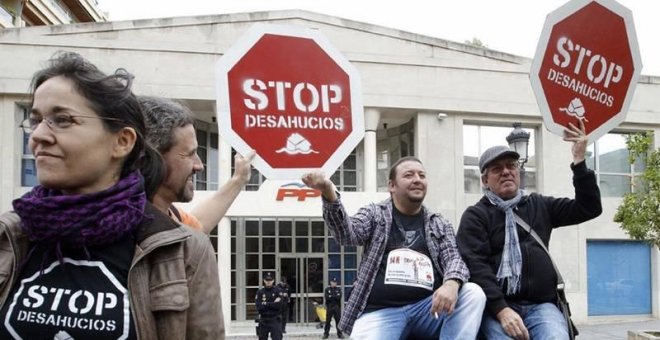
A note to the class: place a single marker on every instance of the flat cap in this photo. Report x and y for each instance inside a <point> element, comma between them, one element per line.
<point>494,153</point>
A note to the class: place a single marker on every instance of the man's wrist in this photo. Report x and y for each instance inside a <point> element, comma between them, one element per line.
<point>239,179</point>
<point>457,282</point>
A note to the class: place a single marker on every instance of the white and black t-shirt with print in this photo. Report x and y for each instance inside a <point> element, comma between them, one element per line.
<point>85,297</point>
<point>406,274</point>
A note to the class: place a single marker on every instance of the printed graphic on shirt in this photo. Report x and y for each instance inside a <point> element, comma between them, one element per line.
<point>409,268</point>
<point>412,236</point>
<point>78,300</point>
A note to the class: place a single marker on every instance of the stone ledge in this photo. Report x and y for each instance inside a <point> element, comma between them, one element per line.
<point>643,335</point>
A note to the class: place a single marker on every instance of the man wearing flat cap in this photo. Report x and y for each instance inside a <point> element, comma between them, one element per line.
<point>333,306</point>
<point>513,269</point>
<point>268,301</point>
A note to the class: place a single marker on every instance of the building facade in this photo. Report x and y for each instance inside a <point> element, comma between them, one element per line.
<point>441,101</point>
<point>20,13</point>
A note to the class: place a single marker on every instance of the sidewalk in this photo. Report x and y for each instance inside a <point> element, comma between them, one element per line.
<point>616,330</point>
<point>607,330</point>
<point>241,331</point>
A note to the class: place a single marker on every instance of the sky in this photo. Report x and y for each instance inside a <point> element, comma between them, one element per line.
<point>511,26</point>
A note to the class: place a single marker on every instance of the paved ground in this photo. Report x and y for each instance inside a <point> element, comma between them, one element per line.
<point>601,330</point>
<point>616,330</point>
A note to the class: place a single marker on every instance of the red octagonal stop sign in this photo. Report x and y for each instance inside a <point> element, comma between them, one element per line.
<point>586,66</point>
<point>287,93</point>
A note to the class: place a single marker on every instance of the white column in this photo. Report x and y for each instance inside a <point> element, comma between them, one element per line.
<point>224,236</point>
<point>18,21</point>
<point>371,119</point>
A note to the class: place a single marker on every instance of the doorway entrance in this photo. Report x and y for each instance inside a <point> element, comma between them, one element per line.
<point>305,277</point>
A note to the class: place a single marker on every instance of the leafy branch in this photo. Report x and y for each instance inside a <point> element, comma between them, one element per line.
<point>639,212</point>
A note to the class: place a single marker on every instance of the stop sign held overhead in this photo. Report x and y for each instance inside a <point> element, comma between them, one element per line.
<point>586,66</point>
<point>287,93</point>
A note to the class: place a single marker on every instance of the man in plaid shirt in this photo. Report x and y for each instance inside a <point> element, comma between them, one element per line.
<point>412,281</point>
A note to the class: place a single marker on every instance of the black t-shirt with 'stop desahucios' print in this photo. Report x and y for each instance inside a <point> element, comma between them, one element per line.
<point>85,297</point>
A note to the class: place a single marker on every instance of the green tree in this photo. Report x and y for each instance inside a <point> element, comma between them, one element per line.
<point>475,43</point>
<point>639,212</point>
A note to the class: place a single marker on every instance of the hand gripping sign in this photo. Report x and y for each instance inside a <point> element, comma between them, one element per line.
<point>586,66</point>
<point>287,93</point>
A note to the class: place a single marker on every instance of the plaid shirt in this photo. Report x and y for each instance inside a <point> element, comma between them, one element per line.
<point>370,228</point>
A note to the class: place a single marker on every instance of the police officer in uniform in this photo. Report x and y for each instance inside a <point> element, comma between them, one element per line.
<point>284,293</point>
<point>333,307</point>
<point>268,301</point>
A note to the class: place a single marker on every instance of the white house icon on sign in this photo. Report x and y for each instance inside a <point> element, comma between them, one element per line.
<point>296,144</point>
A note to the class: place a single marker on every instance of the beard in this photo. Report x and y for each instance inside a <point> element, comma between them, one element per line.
<point>185,194</point>
<point>416,199</point>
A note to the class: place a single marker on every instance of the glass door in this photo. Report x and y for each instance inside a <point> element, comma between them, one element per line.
<point>305,277</point>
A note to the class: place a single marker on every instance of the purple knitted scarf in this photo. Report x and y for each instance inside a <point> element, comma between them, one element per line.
<point>49,217</point>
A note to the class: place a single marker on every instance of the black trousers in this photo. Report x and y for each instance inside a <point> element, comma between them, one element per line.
<point>285,315</point>
<point>333,311</point>
<point>270,326</point>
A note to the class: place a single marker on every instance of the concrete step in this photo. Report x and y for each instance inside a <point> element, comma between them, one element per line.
<point>294,331</point>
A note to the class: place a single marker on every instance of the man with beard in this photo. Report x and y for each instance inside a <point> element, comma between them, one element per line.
<point>388,299</point>
<point>171,131</point>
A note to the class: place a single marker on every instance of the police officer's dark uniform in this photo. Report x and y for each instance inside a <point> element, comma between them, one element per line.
<point>333,308</point>
<point>268,301</point>
<point>284,293</point>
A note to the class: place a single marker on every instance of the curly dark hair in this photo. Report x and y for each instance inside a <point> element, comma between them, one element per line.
<point>163,116</point>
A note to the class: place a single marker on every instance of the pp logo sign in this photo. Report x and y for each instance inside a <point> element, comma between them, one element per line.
<point>297,191</point>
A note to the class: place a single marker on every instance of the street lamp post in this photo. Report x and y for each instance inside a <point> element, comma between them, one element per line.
<point>518,141</point>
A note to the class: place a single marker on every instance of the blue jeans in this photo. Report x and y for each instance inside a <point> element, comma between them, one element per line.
<point>415,321</point>
<point>543,321</point>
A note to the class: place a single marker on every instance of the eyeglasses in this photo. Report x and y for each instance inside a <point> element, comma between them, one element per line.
<point>56,122</point>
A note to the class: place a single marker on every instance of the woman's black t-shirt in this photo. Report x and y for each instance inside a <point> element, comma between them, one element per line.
<point>86,297</point>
